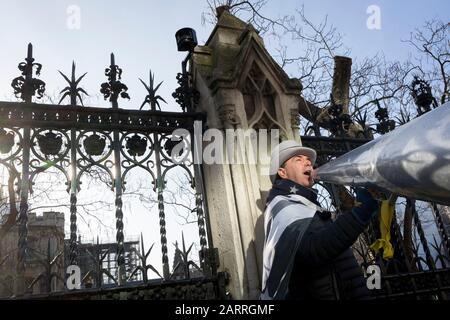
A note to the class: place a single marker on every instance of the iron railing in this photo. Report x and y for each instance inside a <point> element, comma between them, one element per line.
<point>76,140</point>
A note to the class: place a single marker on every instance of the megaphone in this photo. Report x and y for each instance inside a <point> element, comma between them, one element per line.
<point>413,160</point>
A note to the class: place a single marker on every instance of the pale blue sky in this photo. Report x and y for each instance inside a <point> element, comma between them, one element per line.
<point>141,35</point>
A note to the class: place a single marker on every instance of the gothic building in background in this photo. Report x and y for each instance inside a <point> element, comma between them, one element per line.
<point>46,242</point>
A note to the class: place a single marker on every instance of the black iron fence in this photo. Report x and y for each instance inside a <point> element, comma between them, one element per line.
<point>105,144</point>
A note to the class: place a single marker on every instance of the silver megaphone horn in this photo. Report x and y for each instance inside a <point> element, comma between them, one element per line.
<point>413,160</point>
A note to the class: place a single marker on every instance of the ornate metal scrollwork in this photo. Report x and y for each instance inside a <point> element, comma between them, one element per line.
<point>136,145</point>
<point>151,98</point>
<point>94,145</point>
<point>113,88</point>
<point>6,141</point>
<point>50,143</point>
<point>421,93</point>
<point>185,95</point>
<point>145,158</point>
<point>170,144</point>
<point>49,149</point>
<point>94,154</point>
<point>385,124</point>
<point>103,145</point>
<point>72,91</point>
<point>175,151</point>
<point>26,86</point>
<point>340,122</point>
<point>143,268</point>
<point>182,263</point>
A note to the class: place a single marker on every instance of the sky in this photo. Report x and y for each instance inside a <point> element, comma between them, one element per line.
<point>141,34</point>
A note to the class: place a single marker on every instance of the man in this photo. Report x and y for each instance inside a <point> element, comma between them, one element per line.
<point>306,254</point>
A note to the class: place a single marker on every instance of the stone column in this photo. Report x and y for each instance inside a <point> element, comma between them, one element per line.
<point>236,192</point>
<point>341,81</point>
<point>232,205</point>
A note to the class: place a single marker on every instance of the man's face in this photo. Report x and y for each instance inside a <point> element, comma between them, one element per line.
<point>298,169</point>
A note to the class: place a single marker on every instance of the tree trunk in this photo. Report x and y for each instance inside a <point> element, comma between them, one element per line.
<point>408,231</point>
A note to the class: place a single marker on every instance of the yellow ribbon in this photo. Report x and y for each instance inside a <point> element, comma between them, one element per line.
<point>387,213</point>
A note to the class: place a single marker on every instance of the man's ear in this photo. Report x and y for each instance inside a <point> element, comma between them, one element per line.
<point>282,173</point>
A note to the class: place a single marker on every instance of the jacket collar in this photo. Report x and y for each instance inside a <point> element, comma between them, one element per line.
<point>288,187</point>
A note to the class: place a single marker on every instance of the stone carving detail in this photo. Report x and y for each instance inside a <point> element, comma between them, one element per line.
<point>228,115</point>
<point>295,119</point>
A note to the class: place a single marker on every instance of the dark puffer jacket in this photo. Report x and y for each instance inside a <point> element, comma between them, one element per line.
<point>321,270</point>
<point>323,266</point>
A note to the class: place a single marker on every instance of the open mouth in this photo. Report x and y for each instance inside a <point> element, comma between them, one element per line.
<point>307,173</point>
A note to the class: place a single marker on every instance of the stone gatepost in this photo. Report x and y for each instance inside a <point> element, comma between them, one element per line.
<point>241,87</point>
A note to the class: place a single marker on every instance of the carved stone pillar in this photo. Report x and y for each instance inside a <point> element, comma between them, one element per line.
<point>341,81</point>
<point>241,88</point>
<point>295,123</point>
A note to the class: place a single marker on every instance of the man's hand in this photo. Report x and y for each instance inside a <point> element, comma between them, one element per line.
<point>347,201</point>
<point>365,202</point>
